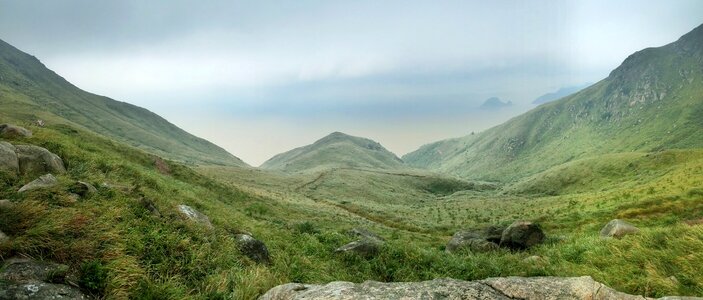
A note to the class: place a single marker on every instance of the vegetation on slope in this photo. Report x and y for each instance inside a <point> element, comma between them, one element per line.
<point>29,91</point>
<point>336,150</point>
<point>651,102</point>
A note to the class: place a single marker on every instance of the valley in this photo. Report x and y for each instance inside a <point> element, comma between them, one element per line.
<point>141,209</point>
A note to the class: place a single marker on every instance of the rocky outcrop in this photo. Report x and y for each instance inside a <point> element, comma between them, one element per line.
<point>194,215</point>
<point>522,235</point>
<point>254,249</point>
<point>568,288</point>
<point>30,279</point>
<point>618,228</point>
<point>519,235</point>
<point>9,131</point>
<point>45,181</point>
<point>478,240</point>
<point>37,160</point>
<point>9,163</point>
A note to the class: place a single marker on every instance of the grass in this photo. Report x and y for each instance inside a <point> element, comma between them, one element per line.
<point>119,249</point>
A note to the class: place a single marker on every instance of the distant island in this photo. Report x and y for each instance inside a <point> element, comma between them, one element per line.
<point>495,103</point>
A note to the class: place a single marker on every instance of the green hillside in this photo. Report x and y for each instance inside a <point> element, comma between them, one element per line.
<point>337,150</point>
<point>29,91</point>
<point>653,101</point>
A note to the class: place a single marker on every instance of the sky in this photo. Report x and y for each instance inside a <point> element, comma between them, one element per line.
<point>262,77</point>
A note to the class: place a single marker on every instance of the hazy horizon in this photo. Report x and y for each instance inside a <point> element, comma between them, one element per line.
<point>259,79</point>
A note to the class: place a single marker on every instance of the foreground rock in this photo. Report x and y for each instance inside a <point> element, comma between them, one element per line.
<point>574,288</point>
<point>522,235</point>
<point>254,249</point>
<point>618,228</point>
<point>478,240</point>
<point>10,131</point>
<point>8,159</point>
<point>30,279</point>
<point>194,215</point>
<point>45,181</point>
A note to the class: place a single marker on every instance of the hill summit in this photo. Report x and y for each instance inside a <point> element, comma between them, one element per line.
<point>336,150</point>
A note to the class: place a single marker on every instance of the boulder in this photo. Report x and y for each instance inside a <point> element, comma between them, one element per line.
<point>522,235</point>
<point>34,159</point>
<point>149,205</point>
<point>45,181</point>
<point>194,215</point>
<point>254,249</point>
<point>364,247</point>
<point>3,237</point>
<point>479,240</point>
<point>10,131</point>
<point>9,163</point>
<point>618,228</point>
<point>5,204</point>
<point>362,233</point>
<point>30,279</point>
<point>83,189</point>
<point>574,288</point>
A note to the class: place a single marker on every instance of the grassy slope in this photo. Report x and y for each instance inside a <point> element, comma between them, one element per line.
<point>28,91</point>
<point>651,102</point>
<point>170,258</point>
<point>335,150</point>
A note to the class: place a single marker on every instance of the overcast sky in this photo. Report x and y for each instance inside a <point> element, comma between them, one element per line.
<point>262,77</point>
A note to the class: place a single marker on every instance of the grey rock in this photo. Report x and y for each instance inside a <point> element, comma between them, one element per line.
<point>9,163</point>
<point>5,204</point>
<point>522,235</point>
<point>194,215</point>
<point>549,288</point>
<point>364,234</point>
<point>37,290</point>
<point>45,181</point>
<point>479,240</point>
<point>150,206</point>
<point>37,160</point>
<point>10,131</point>
<point>3,237</point>
<point>364,247</point>
<point>32,279</point>
<point>22,270</point>
<point>254,249</point>
<point>618,228</point>
<point>83,189</point>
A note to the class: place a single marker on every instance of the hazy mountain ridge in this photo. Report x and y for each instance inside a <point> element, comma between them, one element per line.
<point>558,94</point>
<point>651,102</point>
<point>26,85</point>
<point>335,150</point>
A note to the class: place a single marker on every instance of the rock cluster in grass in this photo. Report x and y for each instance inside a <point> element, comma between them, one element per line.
<point>574,288</point>
<point>519,235</point>
<point>249,246</point>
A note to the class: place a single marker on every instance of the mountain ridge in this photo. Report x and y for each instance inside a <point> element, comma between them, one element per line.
<point>652,101</point>
<point>27,85</point>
